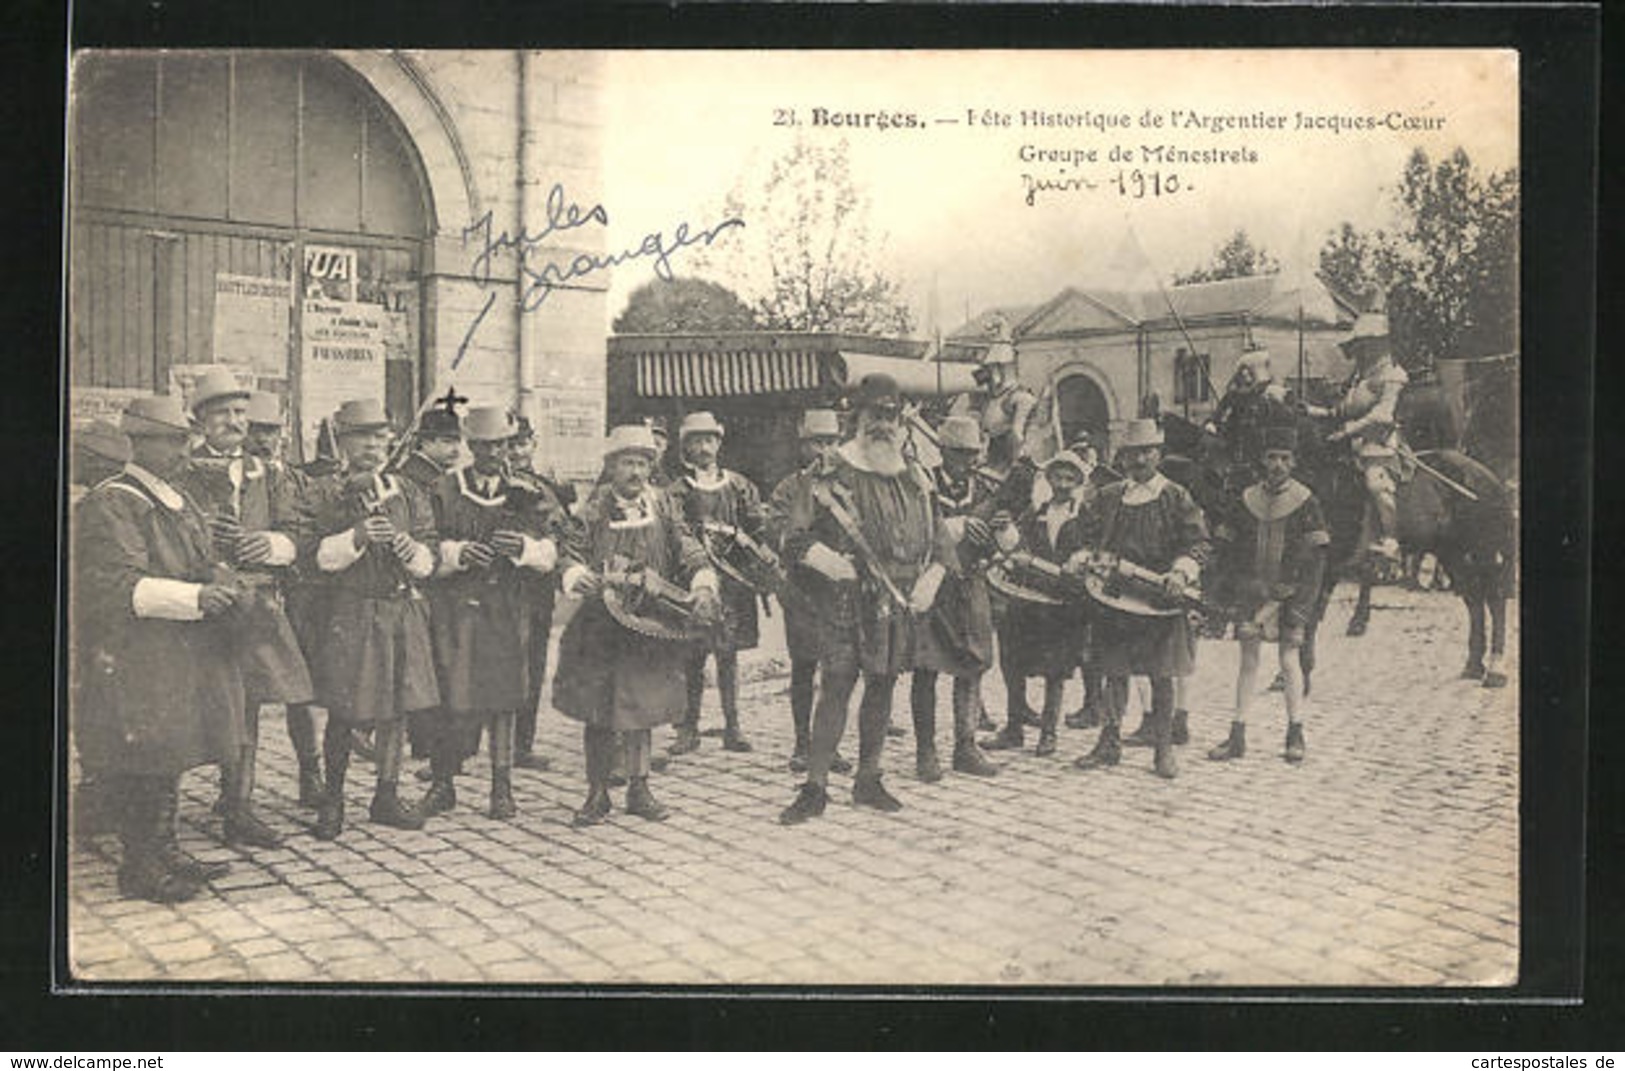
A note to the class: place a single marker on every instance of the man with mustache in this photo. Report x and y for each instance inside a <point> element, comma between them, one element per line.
<point>873,532</point>
<point>373,539</point>
<point>256,523</point>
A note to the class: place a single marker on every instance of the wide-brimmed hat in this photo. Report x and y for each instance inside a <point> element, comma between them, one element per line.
<point>1067,457</point>
<point>959,433</point>
<point>440,423</point>
<point>216,383</point>
<point>1368,326</point>
<point>820,424</point>
<point>104,440</point>
<point>360,414</point>
<point>877,390</point>
<point>1281,437</point>
<point>1140,432</point>
<point>157,415</point>
<point>489,424</point>
<point>264,408</point>
<point>631,437</point>
<point>700,423</point>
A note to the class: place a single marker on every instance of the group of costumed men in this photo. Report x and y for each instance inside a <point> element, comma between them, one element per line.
<point>413,598</point>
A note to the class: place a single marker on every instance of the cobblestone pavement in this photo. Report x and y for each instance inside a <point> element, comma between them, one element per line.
<point>1388,858</point>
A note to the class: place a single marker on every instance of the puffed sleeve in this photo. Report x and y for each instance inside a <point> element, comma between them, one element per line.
<point>1306,558</point>
<point>115,567</point>
<point>1190,532</point>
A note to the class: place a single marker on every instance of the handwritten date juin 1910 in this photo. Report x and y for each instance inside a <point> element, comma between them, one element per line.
<point>1135,184</point>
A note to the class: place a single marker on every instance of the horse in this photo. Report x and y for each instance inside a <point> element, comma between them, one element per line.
<point>1473,535</point>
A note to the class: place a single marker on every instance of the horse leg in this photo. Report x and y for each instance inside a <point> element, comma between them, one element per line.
<point>1495,672</point>
<point>1475,633</point>
<point>1361,619</point>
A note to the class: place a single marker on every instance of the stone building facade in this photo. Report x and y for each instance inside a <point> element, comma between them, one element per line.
<point>335,223</point>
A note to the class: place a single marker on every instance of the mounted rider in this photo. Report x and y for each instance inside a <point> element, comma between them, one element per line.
<point>1367,411</point>
<point>1252,402</point>
<point>1003,408</point>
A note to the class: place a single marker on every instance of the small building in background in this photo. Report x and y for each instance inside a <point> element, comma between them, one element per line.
<point>759,382</point>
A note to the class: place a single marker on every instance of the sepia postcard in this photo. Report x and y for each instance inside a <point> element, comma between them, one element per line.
<point>487,563</point>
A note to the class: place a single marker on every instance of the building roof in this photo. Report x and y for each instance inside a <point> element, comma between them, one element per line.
<point>1259,298</point>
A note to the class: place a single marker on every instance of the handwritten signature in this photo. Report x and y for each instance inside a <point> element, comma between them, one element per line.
<point>539,277</point>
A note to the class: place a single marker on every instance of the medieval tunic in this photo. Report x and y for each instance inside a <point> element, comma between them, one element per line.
<point>376,660</point>
<point>1036,639</point>
<point>481,620</point>
<point>1275,564</point>
<point>963,618</point>
<point>1153,525</point>
<point>160,689</point>
<point>896,516</point>
<point>243,488</point>
<point>791,506</point>
<point>609,676</point>
<point>725,497</point>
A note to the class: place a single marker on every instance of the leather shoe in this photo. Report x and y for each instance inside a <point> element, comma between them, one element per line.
<point>594,810</point>
<point>1294,742</point>
<point>809,803</point>
<point>1141,737</point>
<point>1009,738</point>
<point>869,791</point>
<point>151,880</point>
<point>840,764</point>
<point>1108,751</point>
<point>642,803</point>
<point>1180,732</point>
<point>441,797</point>
<point>1165,763</point>
<point>502,805</point>
<point>734,740</point>
<point>1046,744</point>
<point>798,757</point>
<point>243,826</point>
<point>1234,746</point>
<point>928,767</point>
<point>688,739</point>
<point>388,810</point>
<point>311,788</point>
<point>329,819</point>
<point>968,759</point>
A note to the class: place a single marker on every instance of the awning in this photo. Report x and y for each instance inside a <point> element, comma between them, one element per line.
<point>725,374</point>
<point>914,377</point>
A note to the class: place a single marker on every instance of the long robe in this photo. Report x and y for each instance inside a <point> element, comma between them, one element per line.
<point>375,661</point>
<point>608,676</point>
<point>155,696</point>
<point>245,489</point>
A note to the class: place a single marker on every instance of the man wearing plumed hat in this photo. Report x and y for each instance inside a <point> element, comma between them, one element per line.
<point>708,493</point>
<point>373,544</point>
<point>872,531</point>
<point>1151,522</point>
<point>256,522</point>
<point>1271,572</point>
<point>490,540</point>
<point>158,686</point>
<point>616,681</point>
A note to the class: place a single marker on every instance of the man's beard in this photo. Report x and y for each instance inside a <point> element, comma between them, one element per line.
<point>882,451</point>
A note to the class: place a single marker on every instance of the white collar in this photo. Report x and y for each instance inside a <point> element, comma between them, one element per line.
<point>707,480</point>
<point>466,475</point>
<point>1138,494</point>
<point>853,455</point>
<point>155,486</point>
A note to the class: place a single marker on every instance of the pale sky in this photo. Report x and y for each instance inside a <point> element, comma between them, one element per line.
<point>680,127</point>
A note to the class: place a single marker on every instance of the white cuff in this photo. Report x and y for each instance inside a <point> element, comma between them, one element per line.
<point>538,554</point>
<point>166,600</point>
<point>338,552</point>
<point>955,527</point>
<point>1186,568</point>
<point>1079,559</point>
<point>704,580</point>
<point>420,563</point>
<point>572,573</point>
<point>283,552</point>
<point>451,557</point>
<point>1007,538</point>
<point>828,562</point>
<point>925,588</point>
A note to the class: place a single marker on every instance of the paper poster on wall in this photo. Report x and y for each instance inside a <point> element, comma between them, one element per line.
<point>251,317</point>
<point>100,403</point>
<point>342,357</point>
<point>330,272</point>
